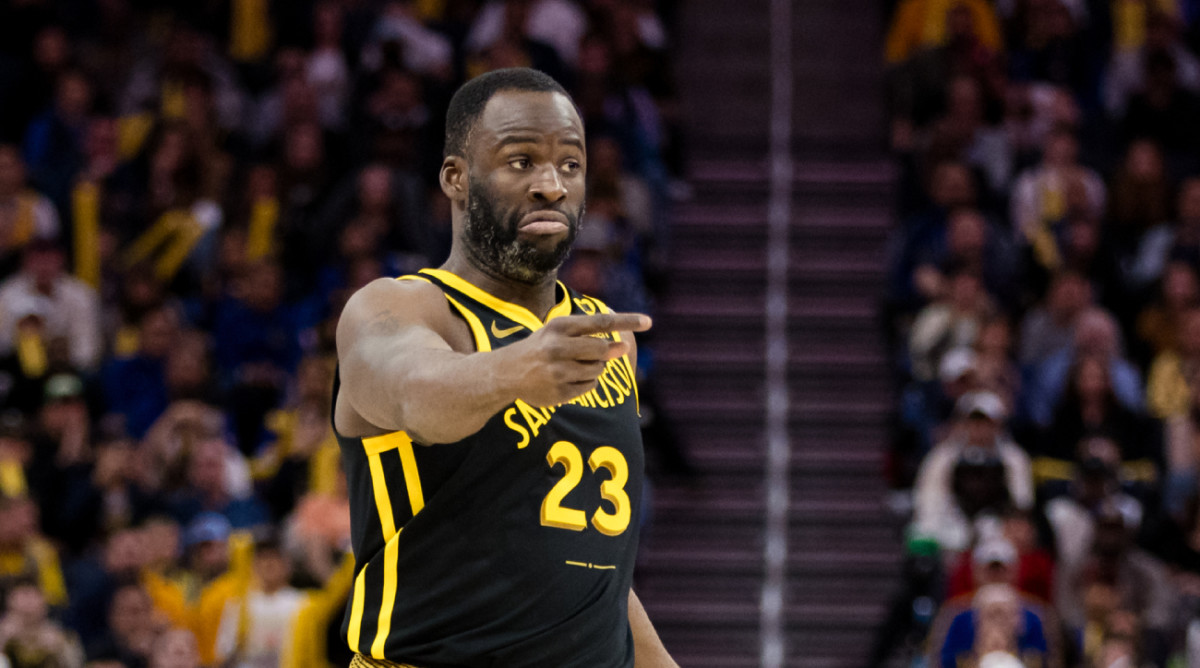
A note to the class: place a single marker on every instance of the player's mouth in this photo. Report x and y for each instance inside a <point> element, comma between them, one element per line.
<point>543,223</point>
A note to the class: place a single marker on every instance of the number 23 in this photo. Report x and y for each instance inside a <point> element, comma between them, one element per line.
<point>554,514</point>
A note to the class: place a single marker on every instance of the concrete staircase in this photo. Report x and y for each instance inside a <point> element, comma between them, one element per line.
<point>701,575</point>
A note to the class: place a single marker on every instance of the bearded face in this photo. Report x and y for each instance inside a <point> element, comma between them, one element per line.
<point>491,237</point>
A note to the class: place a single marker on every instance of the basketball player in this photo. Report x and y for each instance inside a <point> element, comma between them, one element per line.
<point>488,419</point>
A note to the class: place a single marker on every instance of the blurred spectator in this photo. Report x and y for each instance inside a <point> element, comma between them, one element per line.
<point>71,308</point>
<point>156,83</point>
<point>1138,581</point>
<point>255,630</point>
<point>209,489</point>
<point>256,347</point>
<point>327,69</point>
<point>1040,195</point>
<point>304,456</point>
<point>558,23</point>
<point>1090,406</point>
<point>133,628</point>
<point>1096,335</point>
<point>312,645</point>
<point>1095,489</point>
<point>217,568</point>
<point>1012,557</point>
<point>1164,111</point>
<point>395,126</point>
<point>1185,241</point>
<point>388,205</point>
<point>964,133</point>
<point>1050,327</point>
<point>1159,324</point>
<point>54,142</point>
<point>47,51</point>
<point>923,23</point>
<point>1032,112</point>
<point>1049,46</point>
<point>400,39</point>
<point>922,238</point>
<point>292,100</point>
<point>996,621</point>
<point>1168,392</point>
<point>977,471</point>
<point>25,214</point>
<point>304,174</point>
<point>995,361</point>
<point>953,321</point>
<point>135,387</point>
<point>607,172</point>
<point>1140,194</point>
<point>25,555</point>
<point>29,638</point>
<point>918,84</point>
<point>1130,69</point>
<point>176,648</point>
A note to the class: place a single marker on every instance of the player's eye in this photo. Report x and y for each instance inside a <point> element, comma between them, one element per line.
<point>521,163</point>
<point>572,166</point>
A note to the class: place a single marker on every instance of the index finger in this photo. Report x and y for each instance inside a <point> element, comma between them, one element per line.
<point>582,325</point>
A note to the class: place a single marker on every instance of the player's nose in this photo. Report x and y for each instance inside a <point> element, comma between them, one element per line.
<point>548,185</point>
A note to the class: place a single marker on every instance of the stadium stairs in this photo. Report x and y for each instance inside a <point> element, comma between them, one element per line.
<point>701,571</point>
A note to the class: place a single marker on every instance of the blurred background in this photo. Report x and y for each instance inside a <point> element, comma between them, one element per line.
<point>1043,332</point>
<point>923,386</point>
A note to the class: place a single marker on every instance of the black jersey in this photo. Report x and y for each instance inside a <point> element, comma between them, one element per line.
<point>514,546</point>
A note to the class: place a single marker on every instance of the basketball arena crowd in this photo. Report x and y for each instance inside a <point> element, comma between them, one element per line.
<point>1043,316</point>
<point>189,192</point>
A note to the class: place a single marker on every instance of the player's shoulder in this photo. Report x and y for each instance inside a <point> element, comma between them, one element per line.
<point>407,291</point>
<point>406,299</point>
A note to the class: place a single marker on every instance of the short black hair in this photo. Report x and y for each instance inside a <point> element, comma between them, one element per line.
<point>469,101</point>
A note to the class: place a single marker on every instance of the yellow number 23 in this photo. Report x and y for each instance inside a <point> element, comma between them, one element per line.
<point>554,514</point>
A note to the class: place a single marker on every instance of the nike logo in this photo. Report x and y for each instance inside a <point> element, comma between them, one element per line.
<point>501,333</point>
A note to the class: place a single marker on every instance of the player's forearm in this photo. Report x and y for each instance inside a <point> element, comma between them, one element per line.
<point>648,650</point>
<point>449,396</point>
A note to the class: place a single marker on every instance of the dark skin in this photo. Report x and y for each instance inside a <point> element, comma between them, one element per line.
<point>409,363</point>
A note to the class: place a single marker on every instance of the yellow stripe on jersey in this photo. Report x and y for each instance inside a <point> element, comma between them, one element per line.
<point>637,401</point>
<point>514,312</point>
<point>356,610</point>
<point>412,478</point>
<point>383,502</point>
<point>391,563</point>
<point>400,441</point>
<point>482,343</point>
<point>375,446</point>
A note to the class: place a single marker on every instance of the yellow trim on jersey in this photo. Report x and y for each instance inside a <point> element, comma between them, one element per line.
<point>356,609</point>
<point>637,401</point>
<point>374,447</point>
<point>382,501</point>
<point>482,343</point>
<point>412,478</point>
<point>513,312</point>
<point>391,563</point>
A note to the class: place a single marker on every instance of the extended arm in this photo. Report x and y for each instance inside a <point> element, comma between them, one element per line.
<point>400,371</point>
<point>648,650</point>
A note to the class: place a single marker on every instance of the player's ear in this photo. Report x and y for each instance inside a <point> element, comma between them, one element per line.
<point>453,178</point>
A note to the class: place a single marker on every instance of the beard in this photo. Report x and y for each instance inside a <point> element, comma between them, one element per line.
<point>491,239</point>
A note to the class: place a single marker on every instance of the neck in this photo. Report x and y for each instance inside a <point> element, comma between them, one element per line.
<point>538,297</point>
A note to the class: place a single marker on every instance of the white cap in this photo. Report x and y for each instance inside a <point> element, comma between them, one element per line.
<point>995,550</point>
<point>955,364</point>
<point>984,403</point>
